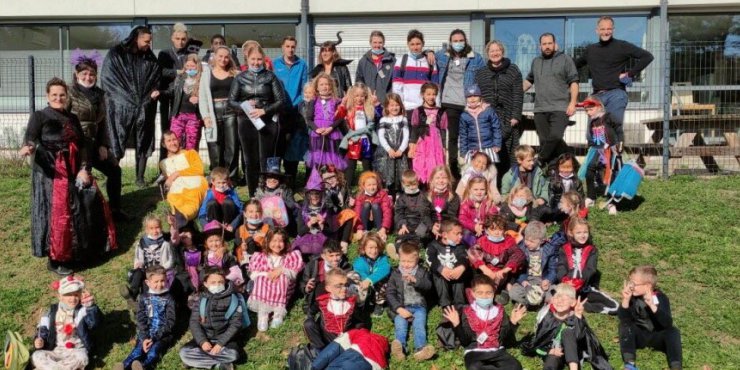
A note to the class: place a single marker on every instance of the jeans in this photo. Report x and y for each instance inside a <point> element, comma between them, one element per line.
<point>615,102</point>
<point>333,357</point>
<point>148,359</point>
<point>374,210</point>
<point>418,322</point>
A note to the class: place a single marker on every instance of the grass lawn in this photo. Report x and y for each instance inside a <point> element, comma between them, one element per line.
<point>688,227</point>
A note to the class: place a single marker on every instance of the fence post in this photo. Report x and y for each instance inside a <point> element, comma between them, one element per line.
<point>31,85</point>
<point>666,85</point>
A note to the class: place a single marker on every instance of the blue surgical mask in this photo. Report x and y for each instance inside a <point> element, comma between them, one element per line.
<point>256,70</point>
<point>254,221</point>
<point>451,243</point>
<point>495,239</point>
<point>458,46</point>
<point>215,289</point>
<point>519,202</point>
<point>415,55</point>
<point>484,302</point>
<point>377,51</point>
<point>191,72</point>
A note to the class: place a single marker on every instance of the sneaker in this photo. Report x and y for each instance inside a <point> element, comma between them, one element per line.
<point>136,365</point>
<point>425,353</point>
<point>612,209</point>
<point>378,310</point>
<point>390,251</point>
<point>262,324</point>
<point>140,183</point>
<point>502,298</point>
<point>276,323</point>
<point>397,350</point>
<point>589,202</point>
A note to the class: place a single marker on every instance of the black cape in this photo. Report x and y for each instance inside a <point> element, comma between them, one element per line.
<point>128,78</point>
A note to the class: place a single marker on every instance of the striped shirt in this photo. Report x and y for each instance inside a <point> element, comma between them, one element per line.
<point>274,293</point>
<point>408,83</point>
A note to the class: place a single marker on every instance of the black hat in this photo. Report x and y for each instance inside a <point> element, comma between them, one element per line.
<point>273,168</point>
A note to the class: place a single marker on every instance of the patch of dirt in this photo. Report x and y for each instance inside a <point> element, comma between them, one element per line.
<point>724,338</point>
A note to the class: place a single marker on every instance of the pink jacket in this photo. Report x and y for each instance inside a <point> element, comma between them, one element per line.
<point>469,215</point>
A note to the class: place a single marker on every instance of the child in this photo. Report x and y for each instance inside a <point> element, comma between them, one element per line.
<point>526,173</point>
<point>448,260</point>
<point>480,166</point>
<point>323,124</point>
<point>313,279</point>
<point>221,203</point>
<point>645,319</point>
<point>250,237</point>
<point>604,136</point>
<point>484,329</point>
<point>498,257</point>
<point>374,267</point>
<point>297,149</point>
<point>186,122</point>
<point>335,312</point>
<point>540,272</point>
<point>577,266</point>
<point>562,337</point>
<point>154,248</point>
<point>63,335</point>
<point>274,271</point>
<point>570,206</point>
<point>407,288</point>
<point>312,228</point>
<point>428,127</point>
<point>212,343</point>
<point>216,255</point>
<point>373,205</point>
<point>564,178</point>
<point>355,349</point>
<point>480,129</point>
<point>444,201</point>
<point>359,121</point>
<point>278,205</point>
<point>191,261</point>
<point>520,209</point>
<point>411,71</point>
<point>393,135</point>
<point>413,213</point>
<point>475,208</point>
<point>155,320</point>
<point>339,205</point>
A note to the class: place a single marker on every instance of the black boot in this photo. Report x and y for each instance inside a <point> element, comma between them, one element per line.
<point>58,268</point>
<point>140,170</point>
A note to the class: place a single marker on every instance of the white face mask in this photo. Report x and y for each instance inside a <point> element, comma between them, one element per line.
<point>158,292</point>
<point>215,289</point>
<point>85,84</point>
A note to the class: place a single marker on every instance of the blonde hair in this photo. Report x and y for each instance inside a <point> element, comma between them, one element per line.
<point>231,68</point>
<point>308,86</point>
<point>497,43</point>
<point>368,107</point>
<point>575,199</point>
<point>248,45</point>
<point>252,48</point>
<point>523,151</point>
<point>371,237</point>
<point>151,218</point>
<point>324,75</point>
<point>198,67</point>
<point>648,272</point>
<point>180,27</point>
<point>435,171</point>
<point>520,188</point>
<point>566,290</point>
<point>577,221</point>
<point>475,180</point>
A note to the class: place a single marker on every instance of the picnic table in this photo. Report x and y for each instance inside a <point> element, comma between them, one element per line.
<point>690,141</point>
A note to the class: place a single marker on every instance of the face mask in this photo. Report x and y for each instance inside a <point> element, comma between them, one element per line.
<point>566,175</point>
<point>65,306</point>
<point>158,292</point>
<point>495,239</point>
<point>369,194</point>
<point>377,51</point>
<point>85,84</point>
<point>222,189</point>
<point>458,46</point>
<point>254,221</point>
<point>411,190</point>
<point>519,202</point>
<point>451,243</point>
<point>191,72</point>
<point>440,190</point>
<point>484,302</point>
<point>155,238</point>
<point>415,55</point>
<point>256,70</point>
<point>215,289</point>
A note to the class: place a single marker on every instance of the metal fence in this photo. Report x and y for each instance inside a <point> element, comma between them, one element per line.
<point>703,99</point>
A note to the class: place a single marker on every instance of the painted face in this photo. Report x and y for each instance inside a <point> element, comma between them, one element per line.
<point>394,109</point>
<point>223,59</point>
<point>415,45</point>
<point>172,143</point>
<point>272,182</point>
<point>495,53</point>
<point>430,97</point>
<point>440,181</point>
<point>454,235</point>
<point>336,286</point>
<point>214,242</point>
<point>144,42</point>
<point>330,179</point>
<point>214,280</point>
<point>639,285</point>
<point>277,244</point>
<point>479,163</point>
<point>605,30</point>
<point>153,229</point>
<point>532,244</point>
<point>289,47</point>
<point>527,163</point>
<point>331,259</point>
<point>255,60</point>
<point>57,97</point>
<point>565,168</point>
<point>370,186</point>
<point>478,191</point>
<point>579,234</point>
<point>495,232</point>
<point>179,39</point>
<point>372,250</point>
<point>547,46</point>
<point>563,303</point>
<point>87,78</point>
<point>71,299</point>
<point>359,98</point>
<point>252,212</point>
<point>408,261</point>
<point>156,283</point>
<point>483,291</point>
<point>324,86</point>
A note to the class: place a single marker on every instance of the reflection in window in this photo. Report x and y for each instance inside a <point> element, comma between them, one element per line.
<point>97,37</point>
<point>521,37</point>
<point>29,38</point>
<point>161,35</point>
<point>268,35</point>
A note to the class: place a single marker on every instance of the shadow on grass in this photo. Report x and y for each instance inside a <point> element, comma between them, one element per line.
<point>117,328</point>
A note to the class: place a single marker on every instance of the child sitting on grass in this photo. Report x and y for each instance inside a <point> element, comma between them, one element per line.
<point>526,173</point>
<point>221,203</point>
<point>538,275</point>
<point>313,279</point>
<point>374,267</point>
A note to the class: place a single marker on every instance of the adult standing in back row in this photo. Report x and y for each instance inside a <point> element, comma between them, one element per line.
<point>556,79</point>
<point>607,61</point>
<point>375,68</point>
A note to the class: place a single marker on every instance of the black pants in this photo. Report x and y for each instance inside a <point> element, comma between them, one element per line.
<point>136,282</point>
<point>112,172</point>
<point>165,105</point>
<point>453,136</point>
<point>550,130</point>
<point>493,360</point>
<point>225,212</point>
<point>569,344</point>
<point>345,231</point>
<point>349,172</point>
<point>317,336</point>
<point>257,146</point>
<point>373,209</point>
<point>224,152</point>
<point>599,302</point>
<point>449,292</point>
<point>592,177</point>
<point>289,123</point>
<point>632,338</point>
<point>507,157</point>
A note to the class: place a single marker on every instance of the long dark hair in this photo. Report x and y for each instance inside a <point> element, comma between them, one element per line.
<point>464,51</point>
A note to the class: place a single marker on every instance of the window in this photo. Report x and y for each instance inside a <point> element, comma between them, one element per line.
<point>521,37</point>
<point>25,39</point>
<point>268,35</point>
<point>161,35</point>
<point>97,37</point>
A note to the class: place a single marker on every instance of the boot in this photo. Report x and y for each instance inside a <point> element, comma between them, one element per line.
<point>140,170</point>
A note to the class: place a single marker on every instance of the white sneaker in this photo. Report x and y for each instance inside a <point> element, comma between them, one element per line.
<point>589,202</point>
<point>612,209</point>
<point>262,324</point>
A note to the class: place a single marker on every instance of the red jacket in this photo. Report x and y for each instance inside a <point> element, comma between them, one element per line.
<point>373,347</point>
<point>386,206</point>
<point>504,254</point>
<point>469,214</point>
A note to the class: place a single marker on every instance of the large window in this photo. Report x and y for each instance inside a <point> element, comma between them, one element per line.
<point>24,40</point>
<point>97,37</point>
<point>161,34</point>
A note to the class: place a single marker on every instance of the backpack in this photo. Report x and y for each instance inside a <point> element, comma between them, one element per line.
<point>273,208</point>
<point>237,301</point>
<point>16,354</point>
<point>405,60</point>
<point>301,357</point>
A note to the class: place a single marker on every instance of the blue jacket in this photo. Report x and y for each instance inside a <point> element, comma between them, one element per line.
<point>479,133</point>
<point>292,77</point>
<point>231,193</point>
<point>475,61</point>
<point>379,271</point>
<point>549,262</point>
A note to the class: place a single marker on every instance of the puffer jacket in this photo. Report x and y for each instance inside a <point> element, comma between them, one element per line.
<point>378,80</point>
<point>340,74</point>
<point>264,87</point>
<point>479,132</point>
<point>214,327</point>
<point>91,116</point>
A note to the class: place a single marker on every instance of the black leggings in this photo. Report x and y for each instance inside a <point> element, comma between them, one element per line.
<point>257,146</point>
<point>592,177</point>
<point>225,212</point>
<point>373,209</point>
<point>224,152</point>
<point>349,172</point>
<point>453,133</point>
<point>491,360</point>
<point>632,338</point>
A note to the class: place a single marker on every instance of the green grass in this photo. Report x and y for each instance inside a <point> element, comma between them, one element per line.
<point>688,227</point>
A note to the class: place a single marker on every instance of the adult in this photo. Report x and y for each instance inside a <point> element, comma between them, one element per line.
<point>60,217</point>
<point>86,101</point>
<point>607,63</point>
<point>130,78</point>
<point>556,78</point>
<point>375,68</point>
<point>500,83</point>
<point>218,41</point>
<point>245,47</point>
<point>184,181</point>
<point>213,99</point>
<point>292,71</point>
<point>332,64</point>
<point>171,60</point>
<point>262,90</point>
<point>411,71</point>
<point>457,66</point>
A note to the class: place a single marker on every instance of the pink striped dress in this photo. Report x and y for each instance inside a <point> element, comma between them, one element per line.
<point>272,295</point>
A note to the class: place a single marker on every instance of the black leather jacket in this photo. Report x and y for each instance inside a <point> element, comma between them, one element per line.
<point>264,87</point>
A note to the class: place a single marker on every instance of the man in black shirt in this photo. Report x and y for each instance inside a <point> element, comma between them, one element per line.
<point>607,61</point>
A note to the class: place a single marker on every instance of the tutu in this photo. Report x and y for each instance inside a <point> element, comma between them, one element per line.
<point>325,151</point>
<point>429,154</point>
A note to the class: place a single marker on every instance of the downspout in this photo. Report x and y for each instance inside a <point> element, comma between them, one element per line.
<point>666,85</point>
